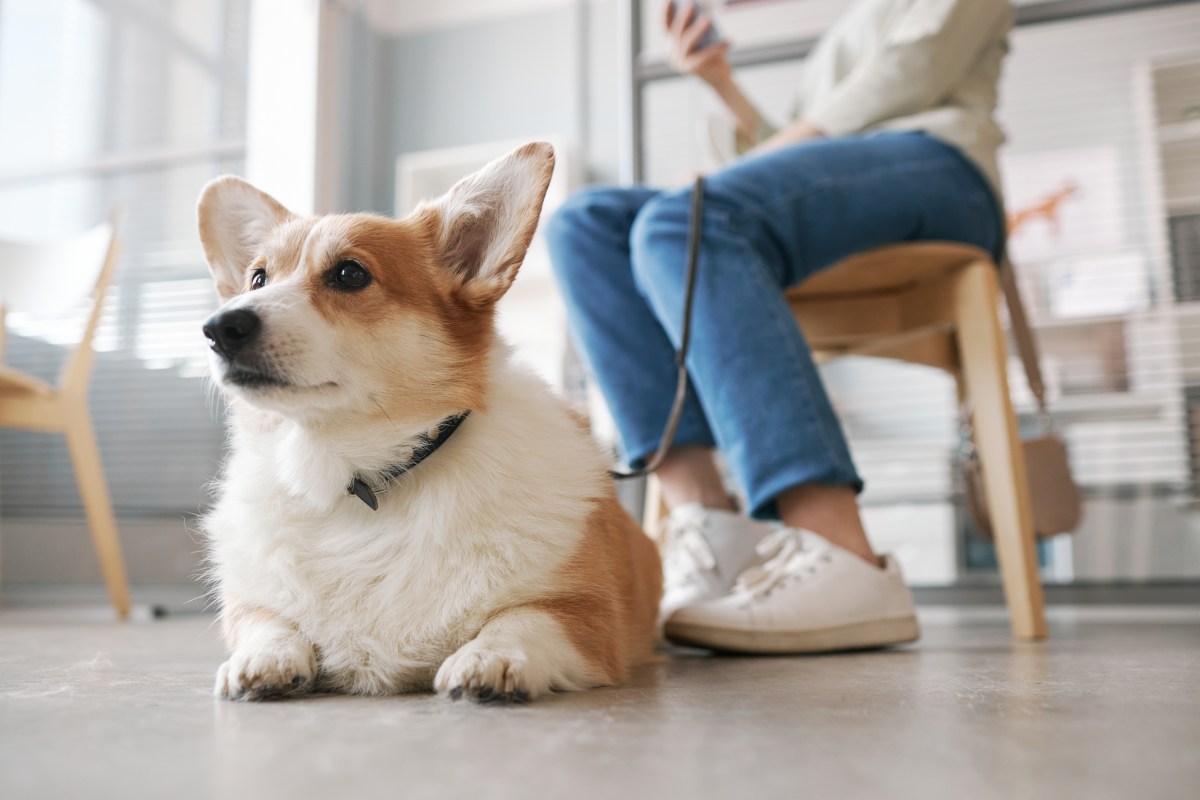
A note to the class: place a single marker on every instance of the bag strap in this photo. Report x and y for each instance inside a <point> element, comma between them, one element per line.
<point>1022,333</point>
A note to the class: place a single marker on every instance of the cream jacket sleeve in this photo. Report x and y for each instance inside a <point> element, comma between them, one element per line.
<point>924,56</point>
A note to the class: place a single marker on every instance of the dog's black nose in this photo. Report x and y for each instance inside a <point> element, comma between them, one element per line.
<point>228,332</point>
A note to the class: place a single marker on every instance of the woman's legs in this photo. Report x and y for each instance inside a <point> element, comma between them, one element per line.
<point>769,223</point>
<point>689,475</point>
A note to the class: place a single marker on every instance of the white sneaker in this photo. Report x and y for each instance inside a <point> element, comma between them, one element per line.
<point>809,597</point>
<point>704,551</point>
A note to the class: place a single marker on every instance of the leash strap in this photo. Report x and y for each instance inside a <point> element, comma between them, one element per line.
<point>668,436</point>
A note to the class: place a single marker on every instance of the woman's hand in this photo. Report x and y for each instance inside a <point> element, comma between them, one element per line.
<point>684,27</point>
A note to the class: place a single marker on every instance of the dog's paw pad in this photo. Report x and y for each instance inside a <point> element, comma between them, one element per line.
<point>265,675</point>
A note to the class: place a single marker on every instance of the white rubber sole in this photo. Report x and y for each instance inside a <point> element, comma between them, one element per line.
<point>855,636</point>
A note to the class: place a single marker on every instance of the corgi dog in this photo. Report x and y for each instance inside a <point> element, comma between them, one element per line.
<point>404,507</point>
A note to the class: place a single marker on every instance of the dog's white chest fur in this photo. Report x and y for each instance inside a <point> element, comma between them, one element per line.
<point>386,596</point>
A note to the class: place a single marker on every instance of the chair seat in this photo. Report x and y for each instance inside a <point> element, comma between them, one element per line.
<point>13,381</point>
<point>887,269</point>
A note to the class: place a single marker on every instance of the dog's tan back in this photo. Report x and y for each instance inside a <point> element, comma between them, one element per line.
<point>502,566</point>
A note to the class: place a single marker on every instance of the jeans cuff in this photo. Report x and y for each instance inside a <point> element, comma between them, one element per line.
<point>636,457</point>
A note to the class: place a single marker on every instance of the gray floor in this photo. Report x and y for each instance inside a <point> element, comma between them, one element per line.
<point>1109,707</point>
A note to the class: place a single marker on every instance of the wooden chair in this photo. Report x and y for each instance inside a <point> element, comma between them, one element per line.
<point>935,303</point>
<point>47,280</point>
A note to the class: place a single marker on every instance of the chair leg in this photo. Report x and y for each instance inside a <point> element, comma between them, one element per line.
<point>93,491</point>
<point>997,438</point>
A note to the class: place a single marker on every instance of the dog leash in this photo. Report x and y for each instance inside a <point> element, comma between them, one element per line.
<point>668,435</point>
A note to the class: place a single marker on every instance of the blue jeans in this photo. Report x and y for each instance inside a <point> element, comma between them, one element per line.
<point>769,222</point>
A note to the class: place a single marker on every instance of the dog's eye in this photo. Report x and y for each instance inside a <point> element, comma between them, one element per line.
<point>349,274</point>
<point>258,279</point>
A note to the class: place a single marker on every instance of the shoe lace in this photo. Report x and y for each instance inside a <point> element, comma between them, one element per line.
<point>686,553</point>
<point>788,555</point>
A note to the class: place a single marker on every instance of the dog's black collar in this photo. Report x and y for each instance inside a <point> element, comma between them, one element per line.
<point>446,428</point>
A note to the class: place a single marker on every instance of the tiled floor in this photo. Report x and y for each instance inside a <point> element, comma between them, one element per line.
<point>1109,707</point>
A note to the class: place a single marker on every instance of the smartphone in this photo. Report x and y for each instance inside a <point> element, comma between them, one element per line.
<point>710,36</point>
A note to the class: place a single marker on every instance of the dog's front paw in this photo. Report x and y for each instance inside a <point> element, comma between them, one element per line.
<point>278,670</point>
<point>487,674</point>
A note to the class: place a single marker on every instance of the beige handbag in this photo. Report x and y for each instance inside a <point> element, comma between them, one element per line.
<point>1054,495</point>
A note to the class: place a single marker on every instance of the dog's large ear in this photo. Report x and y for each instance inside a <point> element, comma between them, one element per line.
<point>485,223</point>
<point>234,218</point>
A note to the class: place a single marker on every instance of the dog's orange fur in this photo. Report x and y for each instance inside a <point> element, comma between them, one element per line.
<point>608,597</point>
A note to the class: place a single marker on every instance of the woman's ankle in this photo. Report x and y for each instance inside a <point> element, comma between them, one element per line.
<point>689,475</point>
<point>832,513</point>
